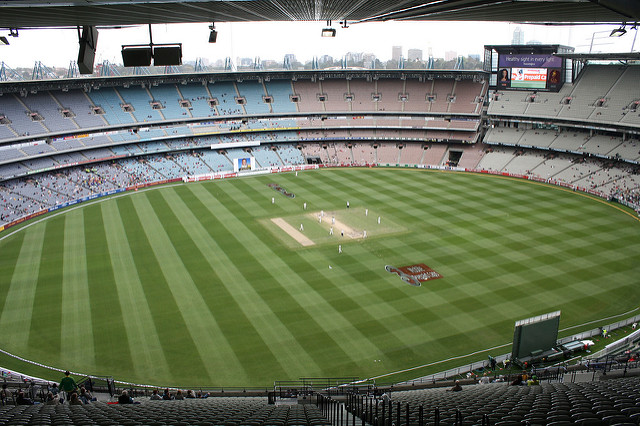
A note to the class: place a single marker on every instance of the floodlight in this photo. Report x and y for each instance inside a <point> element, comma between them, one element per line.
<point>618,32</point>
<point>328,31</point>
<point>4,41</point>
<point>136,56</point>
<point>213,36</point>
<point>167,55</point>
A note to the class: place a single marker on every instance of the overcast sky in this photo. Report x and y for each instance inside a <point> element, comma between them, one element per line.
<point>272,40</point>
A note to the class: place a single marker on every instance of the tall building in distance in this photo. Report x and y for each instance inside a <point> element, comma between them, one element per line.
<point>396,53</point>
<point>450,55</point>
<point>518,36</point>
<point>369,60</point>
<point>414,54</point>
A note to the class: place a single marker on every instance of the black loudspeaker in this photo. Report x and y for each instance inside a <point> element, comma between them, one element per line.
<point>213,36</point>
<point>167,55</point>
<point>87,53</point>
<point>136,56</point>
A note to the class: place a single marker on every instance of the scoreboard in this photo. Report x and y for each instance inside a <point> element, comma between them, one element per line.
<point>513,68</point>
<point>529,72</point>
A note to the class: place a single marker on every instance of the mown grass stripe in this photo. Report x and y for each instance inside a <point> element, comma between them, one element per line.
<point>111,344</point>
<point>228,322</point>
<point>239,313</point>
<point>202,326</point>
<point>10,249</point>
<point>147,354</point>
<point>177,345</point>
<point>76,328</point>
<point>255,200</point>
<point>17,314</point>
<point>45,327</point>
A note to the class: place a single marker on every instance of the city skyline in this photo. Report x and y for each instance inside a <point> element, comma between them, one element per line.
<point>239,40</point>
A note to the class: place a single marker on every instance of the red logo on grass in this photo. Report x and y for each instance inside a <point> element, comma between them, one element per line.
<point>414,274</point>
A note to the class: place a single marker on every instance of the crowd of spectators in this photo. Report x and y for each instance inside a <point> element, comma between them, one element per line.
<point>23,196</point>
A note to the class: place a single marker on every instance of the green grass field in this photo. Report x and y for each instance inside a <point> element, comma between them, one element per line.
<point>193,284</point>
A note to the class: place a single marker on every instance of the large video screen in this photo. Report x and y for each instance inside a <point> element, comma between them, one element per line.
<point>529,78</point>
<point>538,334</point>
<point>538,72</point>
<point>243,164</point>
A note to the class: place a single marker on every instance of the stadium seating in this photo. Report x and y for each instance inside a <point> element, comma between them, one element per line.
<point>343,139</point>
<point>253,93</point>
<point>216,161</point>
<point>280,92</point>
<point>209,411</point>
<point>266,157</point>
<point>411,153</point>
<point>50,111</point>
<point>605,402</point>
<point>198,98</point>
<point>361,92</point>
<point>78,103</point>
<point>601,94</point>
<point>388,94</point>
<point>140,99</point>
<point>21,122</point>
<point>169,99</point>
<point>290,155</point>
<point>226,94</point>
<point>109,100</point>
<point>307,93</point>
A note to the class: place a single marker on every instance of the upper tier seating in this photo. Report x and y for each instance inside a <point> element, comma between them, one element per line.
<point>601,94</point>
<point>362,92</point>
<point>73,110</point>
<point>78,103</point>
<point>198,97</point>
<point>169,98</point>
<point>280,91</point>
<point>226,94</point>
<point>140,99</point>
<point>109,100</point>
<point>308,93</point>
<point>253,93</point>
<point>50,111</point>
<point>20,120</point>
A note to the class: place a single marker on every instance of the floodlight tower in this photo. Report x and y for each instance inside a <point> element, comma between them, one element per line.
<point>108,69</point>
<point>199,66</point>
<point>9,74</point>
<point>229,65</point>
<point>41,71</point>
<point>141,71</point>
<point>73,69</point>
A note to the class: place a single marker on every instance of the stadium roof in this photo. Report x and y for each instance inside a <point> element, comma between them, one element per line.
<point>631,56</point>
<point>67,13</point>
